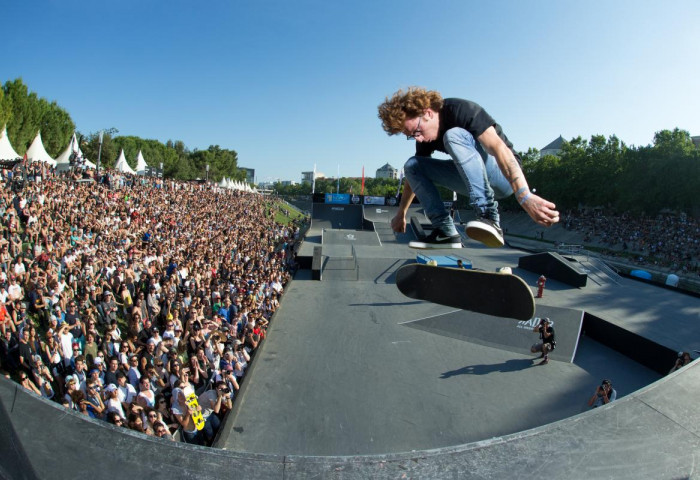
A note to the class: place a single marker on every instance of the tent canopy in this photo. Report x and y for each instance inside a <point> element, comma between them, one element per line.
<point>6,150</point>
<point>121,164</point>
<point>141,164</point>
<point>37,153</point>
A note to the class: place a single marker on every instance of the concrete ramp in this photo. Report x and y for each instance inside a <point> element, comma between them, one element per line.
<point>378,217</point>
<point>506,333</point>
<point>328,215</point>
<point>350,237</point>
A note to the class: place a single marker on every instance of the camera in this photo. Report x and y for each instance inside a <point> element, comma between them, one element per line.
<point>226,390</point>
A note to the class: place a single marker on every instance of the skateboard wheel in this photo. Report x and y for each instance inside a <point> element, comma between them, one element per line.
<point>432,263</point>
<point>505,270</point>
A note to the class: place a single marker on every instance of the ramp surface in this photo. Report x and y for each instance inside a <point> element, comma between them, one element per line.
<point>328,215</point>
<point>380,219</point>
<point>508,334</point>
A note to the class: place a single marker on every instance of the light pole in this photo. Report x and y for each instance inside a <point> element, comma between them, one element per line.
<point>207,173</point>
<point>99,155</point>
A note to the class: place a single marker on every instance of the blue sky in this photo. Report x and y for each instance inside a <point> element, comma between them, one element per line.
<point>290,84</point>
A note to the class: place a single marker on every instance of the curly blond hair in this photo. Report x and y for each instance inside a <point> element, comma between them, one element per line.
<point>404,105</point>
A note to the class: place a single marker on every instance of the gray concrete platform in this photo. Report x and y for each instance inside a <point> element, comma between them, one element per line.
<point>355,379</point>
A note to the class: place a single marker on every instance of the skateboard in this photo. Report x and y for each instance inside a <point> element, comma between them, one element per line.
<point>497,294</point>
<point>192,402</point>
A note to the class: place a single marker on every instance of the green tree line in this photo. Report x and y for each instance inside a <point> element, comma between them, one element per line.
<point>25,113</point>
<point>607,173</point>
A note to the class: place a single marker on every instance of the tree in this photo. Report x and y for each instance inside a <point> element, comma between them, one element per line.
<point>26,114</point>
<point>222,163</point>
<point>90,146</point>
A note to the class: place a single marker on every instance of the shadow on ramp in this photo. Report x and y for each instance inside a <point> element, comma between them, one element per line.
<point>513,365</point>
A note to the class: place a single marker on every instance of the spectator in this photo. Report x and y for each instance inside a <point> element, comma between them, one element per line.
<point>27,383</point>
<point>211,403</point>
<point>82,244</point>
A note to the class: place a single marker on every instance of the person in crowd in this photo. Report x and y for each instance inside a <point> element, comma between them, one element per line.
<point>212,402</point>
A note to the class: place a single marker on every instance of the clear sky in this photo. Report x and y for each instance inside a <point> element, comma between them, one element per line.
<point>289,84</point>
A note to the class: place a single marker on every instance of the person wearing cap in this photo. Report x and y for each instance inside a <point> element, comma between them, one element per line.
<point>604,394</point>
<point>43,378</point>
<point>183,413</point>
<point>155,336</point>
<point>547,340</point>
<point>126,391</point>
<point>93,397</point>
<point>111,400</point>
<point>108,306</point>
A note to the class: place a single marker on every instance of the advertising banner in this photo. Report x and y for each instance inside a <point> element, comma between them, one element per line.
<point>374,200</point>
<point>338,198</point>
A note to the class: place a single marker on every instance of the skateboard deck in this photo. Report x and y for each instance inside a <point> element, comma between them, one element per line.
<point>197,417</point>
<point>497,294</point>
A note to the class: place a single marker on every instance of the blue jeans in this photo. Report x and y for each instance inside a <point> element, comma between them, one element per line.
<point>467,173</point>
<point>211,426</point>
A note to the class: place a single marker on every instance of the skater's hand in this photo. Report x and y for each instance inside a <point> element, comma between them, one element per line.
<point>398,223</point>
<point>540,210</point>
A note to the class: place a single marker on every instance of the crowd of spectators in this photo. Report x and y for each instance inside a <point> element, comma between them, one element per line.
<point>666,240</point>
<point>121,299</point>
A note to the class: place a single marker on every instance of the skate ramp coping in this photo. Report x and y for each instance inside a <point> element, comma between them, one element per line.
<point>506,333</point>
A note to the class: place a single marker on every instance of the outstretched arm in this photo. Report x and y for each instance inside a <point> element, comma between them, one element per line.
<point>540,210</point>
<point>398,223</point>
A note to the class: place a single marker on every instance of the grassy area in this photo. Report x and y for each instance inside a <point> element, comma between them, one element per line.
<point>294,213</point>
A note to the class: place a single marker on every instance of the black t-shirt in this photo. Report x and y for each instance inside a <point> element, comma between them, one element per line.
<point>550,339</point>
<point>467,115</point>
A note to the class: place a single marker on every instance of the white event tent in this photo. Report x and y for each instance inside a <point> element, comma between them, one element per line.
<point>121,164</point>
<point>6,150</point>
<point>37,153</point>
<point>141,164</point>
<point>63,160</point>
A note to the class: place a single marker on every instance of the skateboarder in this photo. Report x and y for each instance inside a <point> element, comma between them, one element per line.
<point>483,165</point>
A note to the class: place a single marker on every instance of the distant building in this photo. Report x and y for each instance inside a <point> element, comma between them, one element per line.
<point>308,177</point>
<point>249,174</point>
<point>387,171</point>
<point>554,148</point>
<point>288,183</point>
<point>696,141</point>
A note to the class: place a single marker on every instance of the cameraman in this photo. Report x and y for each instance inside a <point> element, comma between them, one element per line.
<point>211,402</point>
<point>547,340</point>
<point>682,360</point>
<point>603,395</point>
